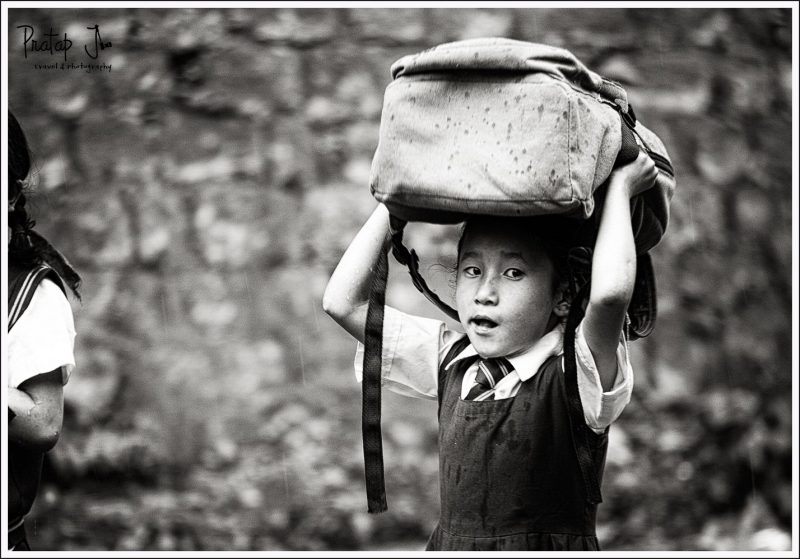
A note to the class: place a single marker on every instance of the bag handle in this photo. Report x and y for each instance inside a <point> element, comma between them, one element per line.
<point>411,261</point>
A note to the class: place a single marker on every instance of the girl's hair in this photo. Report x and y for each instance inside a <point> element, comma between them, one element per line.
<point>26,246</point>
<point>550,234</point>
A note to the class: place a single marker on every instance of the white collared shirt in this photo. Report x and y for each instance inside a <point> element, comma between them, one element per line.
<point>414,347</point>
<point>43,339</point>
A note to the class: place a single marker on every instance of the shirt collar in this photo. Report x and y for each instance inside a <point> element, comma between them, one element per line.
<point>527,363</point>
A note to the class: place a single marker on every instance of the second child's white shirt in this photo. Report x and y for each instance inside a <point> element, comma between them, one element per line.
<point>43,339</point>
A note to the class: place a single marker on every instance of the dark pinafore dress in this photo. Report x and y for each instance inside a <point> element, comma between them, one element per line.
<point>508,473</point>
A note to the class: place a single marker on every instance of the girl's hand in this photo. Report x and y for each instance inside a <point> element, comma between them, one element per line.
<point>635,177</point>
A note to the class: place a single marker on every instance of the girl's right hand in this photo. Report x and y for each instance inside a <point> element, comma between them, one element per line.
<point>635,177</point>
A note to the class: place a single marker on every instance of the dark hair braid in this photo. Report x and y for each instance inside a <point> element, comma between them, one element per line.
<point>26,246</point>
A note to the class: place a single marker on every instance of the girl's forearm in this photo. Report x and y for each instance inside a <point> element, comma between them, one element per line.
<point>37,424</point>
<point>614,266</point>
<point>614,262</point>
<point>347,294</point>
<point>613,276</point>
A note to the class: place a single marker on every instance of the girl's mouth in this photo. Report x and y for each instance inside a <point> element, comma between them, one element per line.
<point>482,325</point>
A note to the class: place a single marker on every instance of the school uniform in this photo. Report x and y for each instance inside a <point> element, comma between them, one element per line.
<point>41,340</point>
<point>509,476</point>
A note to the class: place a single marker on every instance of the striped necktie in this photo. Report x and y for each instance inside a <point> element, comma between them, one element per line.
<point>490,372</point>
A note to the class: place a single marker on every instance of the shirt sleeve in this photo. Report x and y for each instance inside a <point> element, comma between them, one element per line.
<point>43,339</point>
<point>412,351</point>
<point>601,409</point>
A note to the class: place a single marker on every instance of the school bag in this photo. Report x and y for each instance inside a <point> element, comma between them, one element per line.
<point>506,128</point>
<point>24,465</point>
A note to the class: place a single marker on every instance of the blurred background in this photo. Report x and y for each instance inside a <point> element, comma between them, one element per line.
<point>206,187</point>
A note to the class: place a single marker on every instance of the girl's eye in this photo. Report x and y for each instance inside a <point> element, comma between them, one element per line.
<point>472,271</point>
<point>514,273</point>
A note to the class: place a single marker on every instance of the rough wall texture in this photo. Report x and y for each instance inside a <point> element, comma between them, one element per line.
<point>206,187</point>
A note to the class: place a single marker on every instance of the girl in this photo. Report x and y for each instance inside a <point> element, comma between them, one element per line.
<point>41,339</point>
<point>509,476</point>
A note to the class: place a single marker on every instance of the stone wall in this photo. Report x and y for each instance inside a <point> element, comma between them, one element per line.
<point>206,186</point>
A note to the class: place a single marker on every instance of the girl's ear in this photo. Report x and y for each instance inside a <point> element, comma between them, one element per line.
<point>561,307</point>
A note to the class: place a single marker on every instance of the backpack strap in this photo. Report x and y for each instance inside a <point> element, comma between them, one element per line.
<point>411,261</point>
<point>632,142</point>
<point>580,431</point>
<point>373,351</point>
<point>371,388</point>
<point>22,288</point>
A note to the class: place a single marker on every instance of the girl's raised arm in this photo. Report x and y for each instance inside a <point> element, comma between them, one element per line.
<point>614,266</point>
<point>347,294</point>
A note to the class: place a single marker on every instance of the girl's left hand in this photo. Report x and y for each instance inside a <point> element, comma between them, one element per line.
<point>635,177</point>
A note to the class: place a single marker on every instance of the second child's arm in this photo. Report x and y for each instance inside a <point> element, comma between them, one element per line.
<point>614,266</point>
<point>347,294</point>
<point>39,408</point>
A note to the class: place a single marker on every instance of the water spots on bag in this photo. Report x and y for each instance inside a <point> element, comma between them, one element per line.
<point>466,95</point>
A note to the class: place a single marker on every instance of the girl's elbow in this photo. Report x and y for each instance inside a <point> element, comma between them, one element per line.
<point>42,439</point>
<point>48,439</point>
<point>49,430</point>
<point>612,299</point>
<point>334,307</point>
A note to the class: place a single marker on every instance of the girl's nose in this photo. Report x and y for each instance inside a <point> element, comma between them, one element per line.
<point>487,292</point>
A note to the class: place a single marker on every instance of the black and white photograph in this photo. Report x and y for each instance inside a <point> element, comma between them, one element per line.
<point>305,278</point>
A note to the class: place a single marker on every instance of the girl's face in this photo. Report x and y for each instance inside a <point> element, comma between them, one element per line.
<point>504,288</point>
